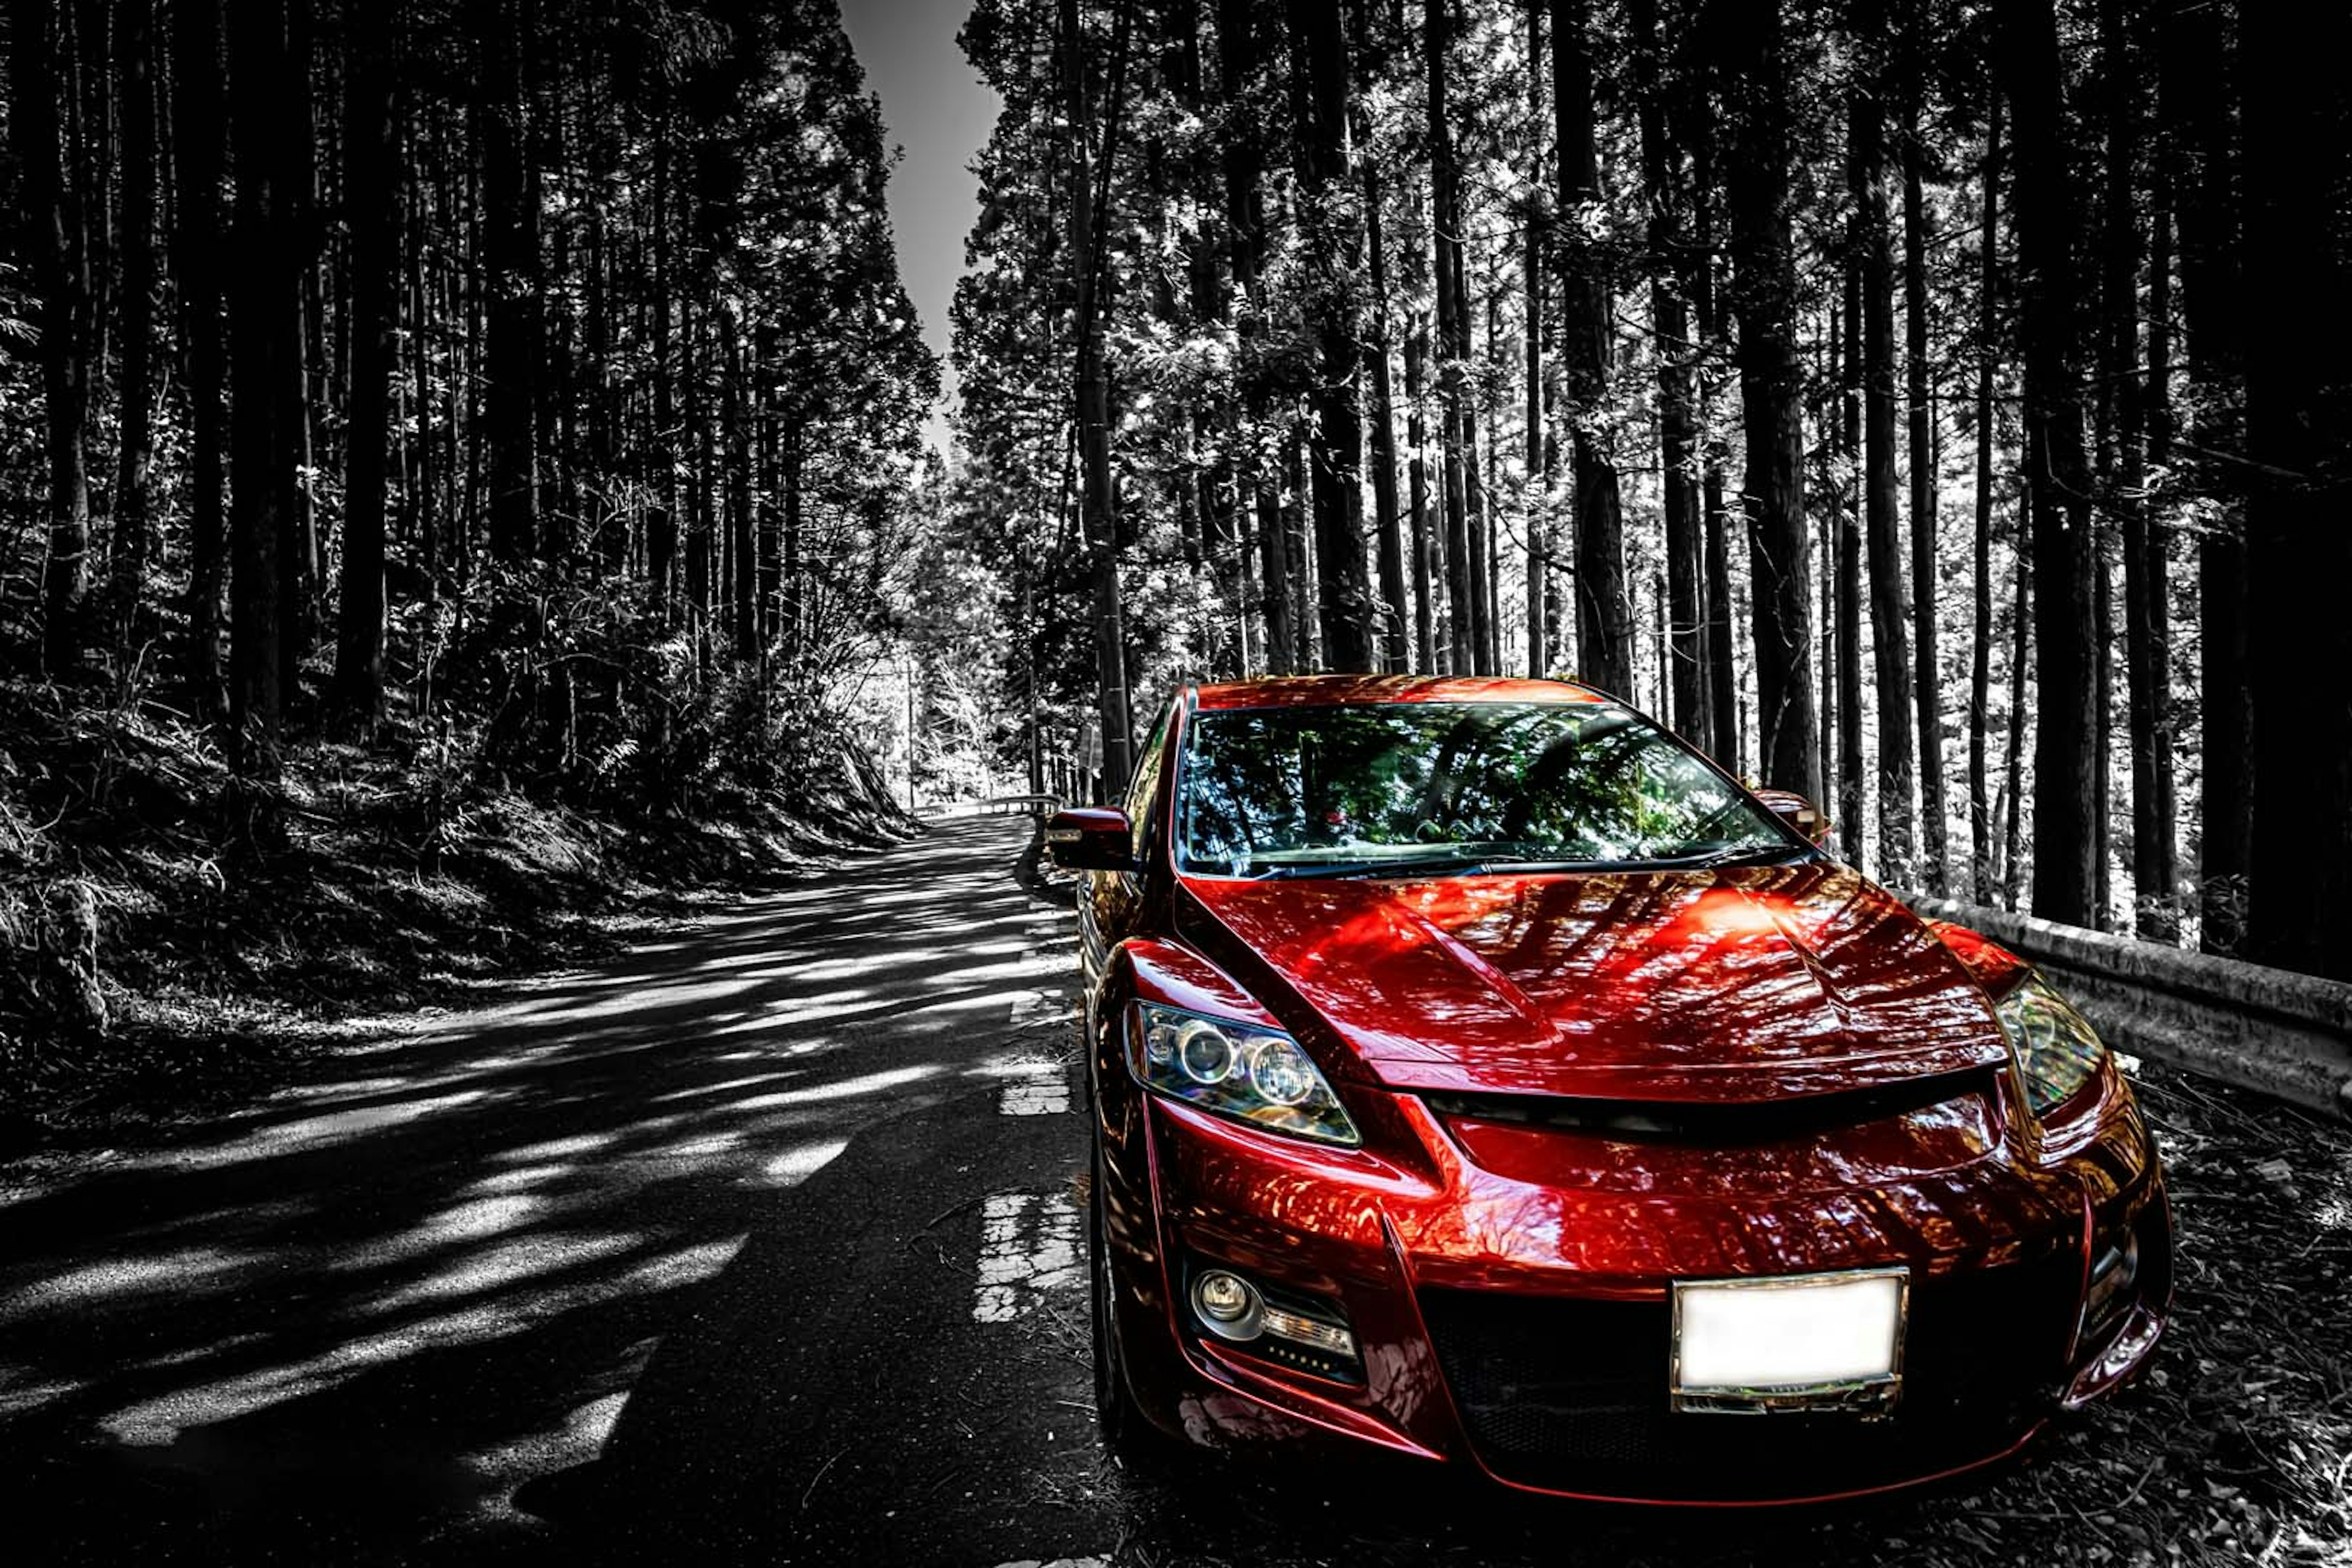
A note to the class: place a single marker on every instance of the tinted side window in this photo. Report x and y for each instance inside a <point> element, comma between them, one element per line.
<point>1143,790</point>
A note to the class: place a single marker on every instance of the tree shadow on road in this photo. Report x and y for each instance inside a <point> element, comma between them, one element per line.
<point>360,1313</point>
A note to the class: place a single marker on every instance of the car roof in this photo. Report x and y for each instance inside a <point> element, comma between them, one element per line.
<point>1335,691</point>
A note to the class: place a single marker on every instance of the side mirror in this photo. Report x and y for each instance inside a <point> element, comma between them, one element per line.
<point>1091,838</point>
<point>1798,812</point>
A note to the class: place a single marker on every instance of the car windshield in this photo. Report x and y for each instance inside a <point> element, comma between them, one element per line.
<point>1398,788</point>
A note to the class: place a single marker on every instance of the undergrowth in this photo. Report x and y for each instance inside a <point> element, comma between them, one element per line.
<point>175,936</point>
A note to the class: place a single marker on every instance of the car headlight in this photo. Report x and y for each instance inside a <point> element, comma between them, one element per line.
<point>2056,1050</point>
<point>1258,1074</point>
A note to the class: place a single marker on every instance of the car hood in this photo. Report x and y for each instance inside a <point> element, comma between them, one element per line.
<point>1726,985</point>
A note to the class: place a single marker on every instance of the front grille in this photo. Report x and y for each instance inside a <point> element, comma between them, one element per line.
<point>1712,1123</point>
<point>1571,1393</point>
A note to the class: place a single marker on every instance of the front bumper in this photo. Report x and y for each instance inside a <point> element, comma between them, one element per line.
<point>1521,1331</point>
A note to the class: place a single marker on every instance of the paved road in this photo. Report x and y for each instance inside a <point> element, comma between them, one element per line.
<point>762,1243</point>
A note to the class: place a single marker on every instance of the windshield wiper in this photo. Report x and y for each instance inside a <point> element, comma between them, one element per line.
<point>1737,855</point>
<point>1441,866</point>
<point>1432,866</point>
<point>1503,862</point>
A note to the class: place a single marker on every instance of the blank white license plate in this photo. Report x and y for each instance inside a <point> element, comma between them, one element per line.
<point>1796,1340</point>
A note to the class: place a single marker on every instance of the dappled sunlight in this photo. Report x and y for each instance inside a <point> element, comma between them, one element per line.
<point>513,1203</point>
<point>725,1086</point>
<point>847,1089</point>
<point>194,1268</point>
<point>833,1004</point>
<point>996,1001</point>
<point>309,1133</point>
<point>483,1216</point>
<point>702,1148</point>
<point>574,1440</point>
<point>796,1165</point>
<point>19,1393</point>
<point>685,1265</point>
<point>558,1148</point>
<point>521,1179</point>
<point>490,1267</point>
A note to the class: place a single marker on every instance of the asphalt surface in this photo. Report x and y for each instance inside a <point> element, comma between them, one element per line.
<point>762,1244</point>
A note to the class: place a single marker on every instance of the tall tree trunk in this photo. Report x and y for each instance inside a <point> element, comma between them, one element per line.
<point>1980,670</point>
<point>1934,852</point>
<point>1238,56</point>
<point>298,543</point>
<point>1477,505</point>
<point>1297,545</point>
<point>708,547</point>
<point>2021,631</point>
<point>795,471</point>
<point>1535,246</point>
<point>1770,387</point>
<point>2102,724</point>
<point>371,200</point>
<point>1832,670</point>
<point>199,134</point>
<point>2157,868</point>
<point>1852,784</point>
<point>1881,528</point>
<point>1426,567</point>
<point>2199,70</point>
<point>2127,487</point>
<point>1344,591</point>
<point>54,204</point>
<point>510,260</point>
<point>2048,230</point>
<point>735,466</point>
<point>1394,652</point>
<point>662,528</point>
<point>1722,670</point>
<point>1604,623</point>
<point>1664,184</point>
<point>2298,117</point>
<point>1273,573</point>
<point>265,371</point>
<point>134,529</point>
<point>1092,401</point>
<point>1466,644</point>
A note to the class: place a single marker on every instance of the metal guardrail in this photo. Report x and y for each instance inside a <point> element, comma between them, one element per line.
<point>996,805</point>
<point>2267,1029</point>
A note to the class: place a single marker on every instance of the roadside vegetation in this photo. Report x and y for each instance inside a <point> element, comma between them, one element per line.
<point>459,470</point>
<point>178,936</point>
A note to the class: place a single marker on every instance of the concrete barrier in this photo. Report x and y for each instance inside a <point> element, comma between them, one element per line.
<point>2267,1029</point>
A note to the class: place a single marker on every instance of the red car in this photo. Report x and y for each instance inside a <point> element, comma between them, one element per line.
<point>1480,1074</point>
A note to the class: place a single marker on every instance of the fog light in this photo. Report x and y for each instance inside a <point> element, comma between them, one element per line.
<point>1309,1332</point>
<point>1227,1305</point>
<point>2112,1277</point>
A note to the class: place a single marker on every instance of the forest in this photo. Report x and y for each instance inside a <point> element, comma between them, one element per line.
<point>1941,409</point>
<point>415,410</point>
<point>441,434</point>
